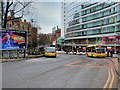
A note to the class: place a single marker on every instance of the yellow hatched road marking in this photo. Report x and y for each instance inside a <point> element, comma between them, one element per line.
<point>105,86</point>
<point>111,84</point>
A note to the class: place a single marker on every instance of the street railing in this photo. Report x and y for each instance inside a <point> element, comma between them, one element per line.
<point>16,54</point>
<point>12,54</point>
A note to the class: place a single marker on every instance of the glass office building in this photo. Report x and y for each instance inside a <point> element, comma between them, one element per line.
<point>92,22</point>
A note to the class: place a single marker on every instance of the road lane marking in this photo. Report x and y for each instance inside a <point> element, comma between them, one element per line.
<point>40,60</point>
<point>111,84</point>
<point>105,86</point>
<point>96,66</point>
<point>70,64</point>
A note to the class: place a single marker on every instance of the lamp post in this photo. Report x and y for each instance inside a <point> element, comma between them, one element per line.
<point>72,41</point>
<point>115,34</point>
<point>87,38</point>
<point>72,45</point>
<point>102,34</point>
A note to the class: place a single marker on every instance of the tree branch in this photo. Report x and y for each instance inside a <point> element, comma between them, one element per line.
<point>23,7</point>
<point>10,4</point>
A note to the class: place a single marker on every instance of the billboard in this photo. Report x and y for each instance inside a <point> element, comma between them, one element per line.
<point>13,39</point>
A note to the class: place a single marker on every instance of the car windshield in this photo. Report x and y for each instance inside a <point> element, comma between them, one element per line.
<point>50,49</point>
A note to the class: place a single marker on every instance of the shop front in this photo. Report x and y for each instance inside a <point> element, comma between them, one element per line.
<point>112,40</point>
<point>114,43</point>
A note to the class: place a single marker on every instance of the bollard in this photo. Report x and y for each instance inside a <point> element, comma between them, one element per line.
<point>17,54</point>
<point>24,54</point>
<point>2,54</point>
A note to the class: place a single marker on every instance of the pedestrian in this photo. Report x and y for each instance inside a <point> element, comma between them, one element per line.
<point>111,53</point>
<point>108,51</point>
<point>116,51</point>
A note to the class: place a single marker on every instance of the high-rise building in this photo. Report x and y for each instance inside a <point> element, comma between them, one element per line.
<point>91,22</point>
<point>54,30</point>
<point>63,19</point>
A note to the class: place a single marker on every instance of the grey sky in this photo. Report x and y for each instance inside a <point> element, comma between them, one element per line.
<point>46,14</point>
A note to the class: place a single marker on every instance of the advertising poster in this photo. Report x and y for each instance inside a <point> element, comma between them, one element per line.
<point>11,39</point>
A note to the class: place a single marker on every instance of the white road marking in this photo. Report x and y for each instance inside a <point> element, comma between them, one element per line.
<point>40,60</point>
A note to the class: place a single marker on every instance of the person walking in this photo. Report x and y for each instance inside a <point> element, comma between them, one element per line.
<point>111,53</point>
<point>116,51</point>
<point>108,51</point>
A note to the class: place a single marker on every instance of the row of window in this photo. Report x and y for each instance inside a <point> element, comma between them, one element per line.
<point>90,25</point>
<point>74,28</point>
<point>74,22</point>
<point>73,10</point>
<point>92,17</point>
<point>105,13</point>
<point>88,4</point>
<point>69,5</point>
<point>100,15</point>
<point>95,32</point>
<point>100,23</point>
<point>99,7</point>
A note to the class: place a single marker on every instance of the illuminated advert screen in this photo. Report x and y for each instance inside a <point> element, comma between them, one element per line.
<point>12,39</point>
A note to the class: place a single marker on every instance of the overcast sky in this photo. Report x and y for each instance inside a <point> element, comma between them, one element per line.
<point>46,14</point>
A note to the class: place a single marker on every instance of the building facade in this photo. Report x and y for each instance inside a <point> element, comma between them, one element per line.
<point>56,34</point>
<point>18,24</point>
<point>44,39</point>
<point>34,37</point>
<point>91,22</point>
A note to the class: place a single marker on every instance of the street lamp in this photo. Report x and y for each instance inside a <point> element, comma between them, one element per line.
<point>102,34</point>
<point>72,41</point>
<point>115,33</point>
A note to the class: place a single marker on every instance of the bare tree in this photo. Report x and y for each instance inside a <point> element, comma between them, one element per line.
<point>17,9</point>
<point>44,39</point>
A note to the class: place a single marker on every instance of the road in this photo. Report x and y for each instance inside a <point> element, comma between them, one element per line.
<point>65,71</point>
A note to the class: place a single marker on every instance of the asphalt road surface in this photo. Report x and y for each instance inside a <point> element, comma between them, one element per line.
<point>65,71</point>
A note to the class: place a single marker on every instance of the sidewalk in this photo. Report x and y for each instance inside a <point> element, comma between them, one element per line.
<point>117,68</point>
<point>20,59</point>
<point>12,60</point>
<point>115,61</point>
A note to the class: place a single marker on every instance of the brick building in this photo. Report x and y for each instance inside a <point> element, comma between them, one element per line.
<point>18,24</point>
<point>44,39</point>
<point>56,35</point>
<point>34,36</point>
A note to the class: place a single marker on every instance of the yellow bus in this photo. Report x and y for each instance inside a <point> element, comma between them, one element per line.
<point>50,51</point>
<point>96,51</point>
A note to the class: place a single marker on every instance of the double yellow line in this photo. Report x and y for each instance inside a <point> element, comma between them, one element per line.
<point>108,80</point>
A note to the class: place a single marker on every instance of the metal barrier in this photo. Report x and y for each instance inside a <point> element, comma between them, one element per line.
<point>0,54</point>
<point>13,54</point>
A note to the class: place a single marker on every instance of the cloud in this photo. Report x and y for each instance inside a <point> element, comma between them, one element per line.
<point>46,29</point>
<point>47,13</point>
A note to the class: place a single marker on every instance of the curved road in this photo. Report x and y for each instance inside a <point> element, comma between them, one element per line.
<point>65,71</point>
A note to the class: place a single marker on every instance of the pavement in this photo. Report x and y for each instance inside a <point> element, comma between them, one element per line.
<point>117,68</point>
<point>64,71</point>
<point>20,59</point>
